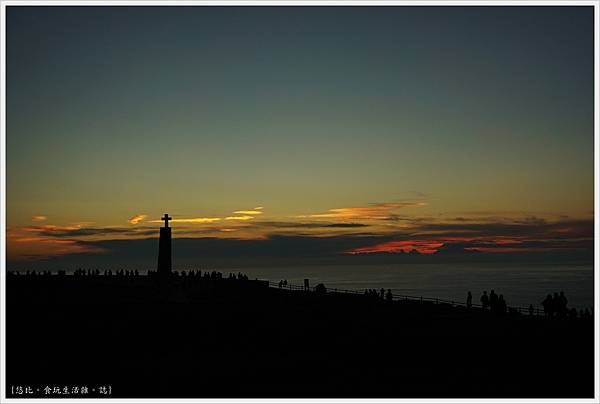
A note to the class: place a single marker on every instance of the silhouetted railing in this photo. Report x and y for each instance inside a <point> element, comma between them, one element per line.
<point>399,297</point>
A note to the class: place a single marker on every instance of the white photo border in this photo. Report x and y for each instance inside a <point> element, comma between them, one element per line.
<point>340,3</point>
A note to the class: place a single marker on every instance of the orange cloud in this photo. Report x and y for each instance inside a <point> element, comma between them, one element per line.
<point>44,240</point>
<point>248,212</point>
<point>191,220</point>
<point>239,217</point>
<point>375,212</point>
<point>137,218</point>
<point>39,218</point>
<point>36,248</point>
<point>430,246</point>
<point>49,228</point>
<point>422,246</point>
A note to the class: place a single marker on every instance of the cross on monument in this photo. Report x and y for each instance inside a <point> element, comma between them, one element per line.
<point>166,218</point>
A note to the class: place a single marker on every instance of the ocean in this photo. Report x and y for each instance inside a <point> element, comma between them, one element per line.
<point>520,284</point>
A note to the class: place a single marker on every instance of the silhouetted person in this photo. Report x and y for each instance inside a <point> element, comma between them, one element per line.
<point>485,301</point>
<point>306,285</point>
<point>555,305</point>
<point>501,305</point>
<point>547,305</point>
<point>280,284</point>
<point>531,310</point>
<point>389,295</point>
<point>562,305</point>
<point>320,289</point>
<point>469,300</point>
<point>573,313</point>
<point>493,301</point>
<point>382,293</point>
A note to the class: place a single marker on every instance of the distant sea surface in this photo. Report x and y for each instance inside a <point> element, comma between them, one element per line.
<point>521,285</point>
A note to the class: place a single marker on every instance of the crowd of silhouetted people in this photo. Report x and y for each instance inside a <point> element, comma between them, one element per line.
<point>106,272</point>
<point>555,307</point>
<point>198,274</point>
<point>493,302</point>
<point>132,273</point>
<point>381,295</point>
<point>29,273</point>
<point>78,272</point>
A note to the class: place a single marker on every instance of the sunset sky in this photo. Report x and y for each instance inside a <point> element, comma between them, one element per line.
<point>379,128</point>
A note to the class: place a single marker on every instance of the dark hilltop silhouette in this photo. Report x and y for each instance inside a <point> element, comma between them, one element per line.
<point>198,333</point>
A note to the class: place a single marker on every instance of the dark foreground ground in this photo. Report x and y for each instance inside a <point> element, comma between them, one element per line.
<point>223,338</point>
